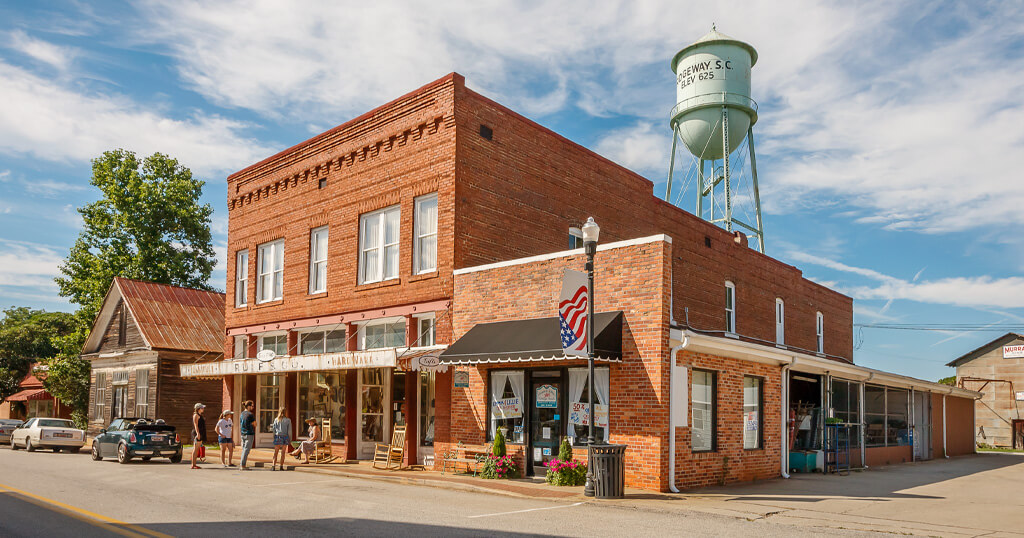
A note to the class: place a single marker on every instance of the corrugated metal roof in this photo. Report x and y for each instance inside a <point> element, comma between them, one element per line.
<point>171,317</point>
<point>30,394</point>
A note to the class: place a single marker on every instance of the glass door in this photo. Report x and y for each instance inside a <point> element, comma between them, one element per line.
<point>545,419</point>
<point>373,410</point>
<point>268,401</point>
<point>426,409</point>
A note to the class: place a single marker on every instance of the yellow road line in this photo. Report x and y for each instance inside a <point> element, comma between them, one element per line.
<point>99,520</point>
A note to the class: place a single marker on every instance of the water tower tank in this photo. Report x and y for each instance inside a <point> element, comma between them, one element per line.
<point>712,72</point>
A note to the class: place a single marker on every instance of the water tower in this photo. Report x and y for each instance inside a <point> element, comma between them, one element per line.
<point>713,115</point>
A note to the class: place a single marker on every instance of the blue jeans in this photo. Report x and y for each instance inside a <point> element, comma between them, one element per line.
<point>247,442</point>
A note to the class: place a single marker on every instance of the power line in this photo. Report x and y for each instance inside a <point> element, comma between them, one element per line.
<point>948,327</point>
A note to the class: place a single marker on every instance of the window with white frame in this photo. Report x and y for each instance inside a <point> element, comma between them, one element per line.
<point>425,335</point>
<point>242,277</point>
<point>240,345</point>
<point>752,412</point>
<point>101,394</point>
<point>819,331</point>
<point>318,260</point>
<point>142,392</point>
<point>780,322</point>
<point>270,262</point>
<point>730,307</point>
<point>322,341</point>
<point>378,245</point>
<point>425,248</point>
<point>703,429</point>
<point>387,334</point>
<point>276,342</point>
<point>579,405</point>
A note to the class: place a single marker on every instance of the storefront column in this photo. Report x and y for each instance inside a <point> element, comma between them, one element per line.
<point>290,400</point>
<point>412,383</point>
<point>351,396</point>
<point>227,392</point>
<point>251,346</point>
<point>293,343</point>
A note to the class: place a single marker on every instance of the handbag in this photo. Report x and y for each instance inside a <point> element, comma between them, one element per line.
<point>202,451</point>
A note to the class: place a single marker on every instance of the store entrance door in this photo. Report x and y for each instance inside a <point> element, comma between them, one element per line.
<point>374,403</point>
<point>268,401</point>
<point>545,419</point>
<point>922,426</point>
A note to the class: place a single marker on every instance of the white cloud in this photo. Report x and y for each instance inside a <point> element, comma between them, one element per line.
<point>978,291</point>
<point>51,188</point>
<point>53,55</point>
<point>53,121</point>
<point>642,147</point>
<point>27,271</point>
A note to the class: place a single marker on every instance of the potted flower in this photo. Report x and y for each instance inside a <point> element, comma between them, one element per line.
<point>566,471</point>
<point>498,464</point>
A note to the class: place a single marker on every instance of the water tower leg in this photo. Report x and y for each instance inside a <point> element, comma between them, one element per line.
<point>700,189</point>
<point>671,168</point>
<point>757,194</point>
<point>725,169</point>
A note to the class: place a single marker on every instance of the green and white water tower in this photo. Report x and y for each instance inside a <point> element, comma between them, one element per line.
<point>713,116</point>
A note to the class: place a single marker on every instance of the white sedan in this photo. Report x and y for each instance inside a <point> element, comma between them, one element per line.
<point>55,433</point>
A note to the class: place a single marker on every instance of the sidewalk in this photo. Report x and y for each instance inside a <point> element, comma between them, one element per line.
<point>260,458</point>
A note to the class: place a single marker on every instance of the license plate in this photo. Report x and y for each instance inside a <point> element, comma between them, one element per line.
<point>68,435</point>
<point>156,438</point>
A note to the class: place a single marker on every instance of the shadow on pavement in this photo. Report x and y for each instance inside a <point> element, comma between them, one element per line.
<point>321,527</point>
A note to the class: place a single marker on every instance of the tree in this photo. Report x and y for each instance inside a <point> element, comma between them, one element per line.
<point>951,380</point>
<point>28,336</point>
<point>148,225</point>
<point>67,378</point>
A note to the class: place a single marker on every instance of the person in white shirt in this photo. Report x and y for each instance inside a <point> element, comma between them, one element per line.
<point>227,443</point>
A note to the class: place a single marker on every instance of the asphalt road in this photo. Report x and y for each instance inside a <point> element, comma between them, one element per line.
<point>46,494</point>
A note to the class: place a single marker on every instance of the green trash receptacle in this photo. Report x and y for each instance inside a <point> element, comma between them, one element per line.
<point>609,468</point>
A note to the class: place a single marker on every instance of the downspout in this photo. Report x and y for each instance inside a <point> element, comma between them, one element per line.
<point>672,416</point>
<point>784,444</point>
<point>945,454</point>
<point>913,427</point>
<point>863,423</point>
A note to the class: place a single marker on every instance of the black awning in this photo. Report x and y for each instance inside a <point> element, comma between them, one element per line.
<point>531,340</point>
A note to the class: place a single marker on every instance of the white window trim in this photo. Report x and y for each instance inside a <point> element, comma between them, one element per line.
<point>819,331</point>
<point>101,394</point>
<point>418,238</point>
<point>234,346</point>
<point>142,400</point>
<point>242,278</point>
<point>314,262</point>
<point>730,314</point>
<point>361,331</point>
<point>381,248</point>
<point>276,249</point>
<point>419,337</point>
<point>780,321</point>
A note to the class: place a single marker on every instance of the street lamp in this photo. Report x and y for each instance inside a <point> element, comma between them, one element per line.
<point>591,231</point>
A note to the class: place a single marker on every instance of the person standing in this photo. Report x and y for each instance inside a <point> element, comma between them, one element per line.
<point>198,432</point>
<point>247,427</point>
<point>282,437</point>
<point>224,438</point>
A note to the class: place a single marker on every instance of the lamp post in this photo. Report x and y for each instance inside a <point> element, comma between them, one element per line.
<point>591,231</point>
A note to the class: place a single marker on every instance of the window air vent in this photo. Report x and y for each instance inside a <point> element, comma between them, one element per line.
<point>486,132</point>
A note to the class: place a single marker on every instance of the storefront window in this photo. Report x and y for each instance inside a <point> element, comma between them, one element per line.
<point>312,343</point>
<point>507,404</point>
<point>897,428</point>
<point>426,407</point>
<point>373,404</point>
<point>751,412</point>
<point>277,342</point>
<point>577,428</point>
<point>384,335</point>
<point>269,397</point>
<point>874,415</point>
<point>322,395</point>
<point>40,408</point>
<point>846,407</point>
<point>702,431</point>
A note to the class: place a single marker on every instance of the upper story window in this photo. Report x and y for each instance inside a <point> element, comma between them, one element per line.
<point>730,307</point>
<point>318,260</point>
<point>780,322</point>
<point>276,342</point>
<point>425,333</point>
<point>242,277</point>
<point>241,344</point>
<point>425,249</point>
<point>386,334</point>
<point>378,245</point>
<point>271,271</point>
<point>819,331</point>
<point>322,341</point>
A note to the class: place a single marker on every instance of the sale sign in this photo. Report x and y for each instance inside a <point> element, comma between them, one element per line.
<point>579,414</point>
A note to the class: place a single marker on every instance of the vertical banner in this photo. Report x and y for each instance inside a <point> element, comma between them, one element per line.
<point>572,313</point>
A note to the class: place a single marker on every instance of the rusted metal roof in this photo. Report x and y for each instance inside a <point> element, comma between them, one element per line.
<point>30,394</point>
<point>170,317</point>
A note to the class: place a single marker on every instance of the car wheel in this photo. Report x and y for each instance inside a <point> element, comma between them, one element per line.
<point>176,458</point>
<point>96,452</point>
<point>28,445</point>
<point>122,454</point>
<point>14,446</point>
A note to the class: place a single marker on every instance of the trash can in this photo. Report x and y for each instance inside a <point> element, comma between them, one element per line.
<point>609,470</point>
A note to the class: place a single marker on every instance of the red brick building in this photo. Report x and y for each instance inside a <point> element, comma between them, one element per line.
<point>358,252</point>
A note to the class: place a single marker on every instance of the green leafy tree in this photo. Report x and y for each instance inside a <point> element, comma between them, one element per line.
<point>565,450</point>
<point>68,380</point>
<point>951,380</point>
<point>28,336</point>
<point>148,224</point>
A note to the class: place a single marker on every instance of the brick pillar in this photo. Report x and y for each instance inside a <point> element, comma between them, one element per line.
<point>351,397</point>
<point>293,343</point>
<point>252,346</point>
<point>443,439</point>
<point>227,391</point>
<point>411,331</point>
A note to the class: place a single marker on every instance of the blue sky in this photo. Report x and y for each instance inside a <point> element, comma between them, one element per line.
<point>889,138</point>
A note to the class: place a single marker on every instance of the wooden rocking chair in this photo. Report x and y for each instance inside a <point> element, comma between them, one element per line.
<point>393,453</point>
<point>324,450</point>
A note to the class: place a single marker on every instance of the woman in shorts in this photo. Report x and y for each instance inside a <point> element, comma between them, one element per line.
<point>224,439</point>
<point>282,437</point>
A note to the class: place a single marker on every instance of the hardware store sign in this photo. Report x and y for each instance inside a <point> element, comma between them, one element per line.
<point>377,358</point>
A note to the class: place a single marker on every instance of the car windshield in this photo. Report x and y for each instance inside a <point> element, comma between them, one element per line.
<point>54,423</point>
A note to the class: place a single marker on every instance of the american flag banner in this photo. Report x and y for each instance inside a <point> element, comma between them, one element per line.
<point>572,313</point>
